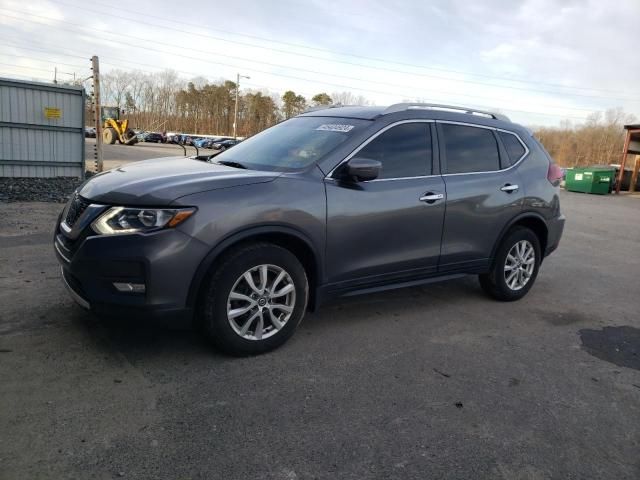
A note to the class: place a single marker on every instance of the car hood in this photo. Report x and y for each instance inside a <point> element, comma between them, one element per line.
<point>159,181</point>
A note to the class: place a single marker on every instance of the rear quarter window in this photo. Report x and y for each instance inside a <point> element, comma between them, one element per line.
<point>512,145</point>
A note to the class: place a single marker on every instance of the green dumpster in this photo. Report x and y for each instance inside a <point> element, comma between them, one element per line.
<point>597,180</point>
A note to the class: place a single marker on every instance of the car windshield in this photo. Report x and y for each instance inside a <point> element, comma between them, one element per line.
<point>294,144</point>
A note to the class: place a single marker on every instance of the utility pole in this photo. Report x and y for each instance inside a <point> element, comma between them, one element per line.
<point>95,67</point>
<point>235,115</point>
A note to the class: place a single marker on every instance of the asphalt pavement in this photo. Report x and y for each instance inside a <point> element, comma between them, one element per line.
<point>116,154</point>
<point>430,382</point>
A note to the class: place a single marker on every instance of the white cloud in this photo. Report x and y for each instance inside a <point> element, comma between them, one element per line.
<point>515,55</point>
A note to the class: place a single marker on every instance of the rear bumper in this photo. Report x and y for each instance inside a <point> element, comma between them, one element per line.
<point>555,228</point>
<point>164,262</point>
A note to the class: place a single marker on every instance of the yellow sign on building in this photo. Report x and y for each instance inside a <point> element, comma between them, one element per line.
<point>52,112</point>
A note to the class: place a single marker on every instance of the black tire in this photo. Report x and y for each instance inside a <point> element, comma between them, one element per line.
<point>213,318</point>
<point>131,137</point>
<point>494,283</point>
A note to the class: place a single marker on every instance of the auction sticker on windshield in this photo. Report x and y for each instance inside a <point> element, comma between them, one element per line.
<point>334,127</point>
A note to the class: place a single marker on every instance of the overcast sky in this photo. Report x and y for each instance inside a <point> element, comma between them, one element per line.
<point>539,61</point>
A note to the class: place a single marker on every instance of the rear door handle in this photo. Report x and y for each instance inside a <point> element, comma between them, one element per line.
<point>510,188</point>
<point>431,197</point>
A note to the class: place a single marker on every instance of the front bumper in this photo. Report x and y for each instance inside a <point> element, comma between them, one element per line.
<point>165,262</point>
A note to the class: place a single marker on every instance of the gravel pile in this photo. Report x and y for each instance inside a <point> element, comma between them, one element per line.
<point>55,189</point>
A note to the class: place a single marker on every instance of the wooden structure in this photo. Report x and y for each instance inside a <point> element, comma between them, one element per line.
<point>631,146</point>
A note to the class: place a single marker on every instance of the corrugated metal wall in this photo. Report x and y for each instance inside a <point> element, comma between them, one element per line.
<point>32,145</point>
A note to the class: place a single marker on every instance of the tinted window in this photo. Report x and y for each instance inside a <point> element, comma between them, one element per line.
<point>404,150</point>
<point>470,149</point>
<point>512,145</point>
<point>293,144</point>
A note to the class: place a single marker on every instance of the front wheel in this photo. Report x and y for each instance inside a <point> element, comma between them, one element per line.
<point>254,300</point>
<point>109,136</point>
<point>515,266</point>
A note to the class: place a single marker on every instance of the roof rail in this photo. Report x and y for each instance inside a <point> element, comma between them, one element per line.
<point>400,107</point>
<point>323,107</point>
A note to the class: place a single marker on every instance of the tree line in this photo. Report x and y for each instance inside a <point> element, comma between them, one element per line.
<point>166,102</point>
<point>597,141</point>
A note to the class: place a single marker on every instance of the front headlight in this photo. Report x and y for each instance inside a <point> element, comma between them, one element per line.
<point>119,220</point>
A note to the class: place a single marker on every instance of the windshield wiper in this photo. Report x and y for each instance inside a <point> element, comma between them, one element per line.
<point>230,163</point>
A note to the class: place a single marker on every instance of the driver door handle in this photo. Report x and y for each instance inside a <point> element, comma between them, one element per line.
<point>431,197</point>
<point>510,188</point>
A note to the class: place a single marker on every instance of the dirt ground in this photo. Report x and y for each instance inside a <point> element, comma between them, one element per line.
<point>429,382</point>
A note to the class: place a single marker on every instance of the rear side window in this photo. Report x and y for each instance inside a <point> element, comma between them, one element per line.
<point>470,149</point>
<point>512,145</point>
<point>403,150</point>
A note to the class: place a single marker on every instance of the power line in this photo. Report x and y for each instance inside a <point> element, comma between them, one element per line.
<point>27,67</point>
<point>83,67</point>
<point>307,70</point>
<point>146,14</point>
<point>406,95</point>
<point>381,83</point>
<point>349,87</point>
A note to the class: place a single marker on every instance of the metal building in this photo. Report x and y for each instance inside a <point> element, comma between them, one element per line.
<point>41,129</point>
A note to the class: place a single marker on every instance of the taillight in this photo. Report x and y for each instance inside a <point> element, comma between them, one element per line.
<point>554,174</point>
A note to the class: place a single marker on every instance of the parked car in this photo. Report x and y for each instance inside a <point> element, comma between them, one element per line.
<point>225,144</point>
<point>334,202</point>
<point>90,132</point>
<point>203,142</point>
<point>153,137</point>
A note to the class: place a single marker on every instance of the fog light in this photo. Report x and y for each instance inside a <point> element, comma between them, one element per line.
<point>126,287</point>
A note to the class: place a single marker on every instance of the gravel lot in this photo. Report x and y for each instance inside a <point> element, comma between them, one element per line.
<point>59,189</point>
<point>421,383</point>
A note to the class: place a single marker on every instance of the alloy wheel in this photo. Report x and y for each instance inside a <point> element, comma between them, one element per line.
<point>261,302</point>
<point>519,265</point>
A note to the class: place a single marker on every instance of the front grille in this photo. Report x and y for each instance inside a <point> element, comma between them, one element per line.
<point>77,205</point>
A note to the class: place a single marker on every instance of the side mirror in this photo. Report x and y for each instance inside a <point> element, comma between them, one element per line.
<point>363,169</point>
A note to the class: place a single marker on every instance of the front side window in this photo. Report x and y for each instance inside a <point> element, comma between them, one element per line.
<point>512,145</point>
<point>403,150</point>
<point>470,149</point>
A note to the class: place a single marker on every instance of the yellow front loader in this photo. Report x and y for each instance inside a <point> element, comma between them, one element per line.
<point>115,129</point>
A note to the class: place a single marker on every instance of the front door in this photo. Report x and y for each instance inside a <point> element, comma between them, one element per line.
<point>389,228</point>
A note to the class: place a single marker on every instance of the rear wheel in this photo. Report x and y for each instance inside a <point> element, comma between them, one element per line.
<point>515,266</point>
<point>109,136</point>
<point>254,300</point>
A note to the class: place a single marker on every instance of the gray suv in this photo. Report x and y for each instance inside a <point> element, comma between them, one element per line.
<point>334,202</point>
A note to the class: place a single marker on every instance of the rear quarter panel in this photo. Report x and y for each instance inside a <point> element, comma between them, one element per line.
<point>540,195</point>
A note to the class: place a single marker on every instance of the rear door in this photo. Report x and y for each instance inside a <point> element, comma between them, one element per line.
<point>484,192</point>
<point>389,228</point>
